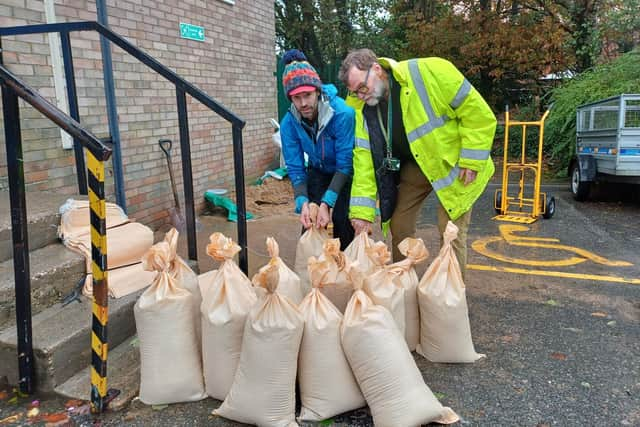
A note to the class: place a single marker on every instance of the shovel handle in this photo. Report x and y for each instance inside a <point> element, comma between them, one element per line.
<point>165,146</point>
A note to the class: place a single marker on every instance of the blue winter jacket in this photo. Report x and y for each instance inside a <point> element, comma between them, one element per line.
<point>332,150</point>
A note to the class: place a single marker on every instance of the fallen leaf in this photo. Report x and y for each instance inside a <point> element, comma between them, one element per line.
<point>585,384</point>
<point>559,356</point>
<point>506,338</point>
<point>54,417</point>
<point>57,419</point>
<point>159,407</point>
<point>33,412</point>
<point>3,395</point>
<point>612,323</point>
<point>328,422</point>
<point>552,302</point>
<point>10,419</point>
<point>599,314</point>
<point>74,403</point>
<point>438,395</point>
<point>18,393</point>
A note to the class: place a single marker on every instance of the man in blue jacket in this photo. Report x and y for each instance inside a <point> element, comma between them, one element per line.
<point>321,125</point>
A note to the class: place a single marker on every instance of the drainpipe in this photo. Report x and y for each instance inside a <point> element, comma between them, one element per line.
<point>110,93</point>
<point>58,73</point>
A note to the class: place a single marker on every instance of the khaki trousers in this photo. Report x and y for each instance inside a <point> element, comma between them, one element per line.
<point>414,187</point>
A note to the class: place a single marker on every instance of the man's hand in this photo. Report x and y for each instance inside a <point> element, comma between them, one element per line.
<point>305,216</point>
<point>324,216</point>
<point>467,176</point>
<point>361,225</point>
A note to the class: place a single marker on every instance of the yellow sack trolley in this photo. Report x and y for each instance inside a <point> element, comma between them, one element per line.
<point>520,207</point>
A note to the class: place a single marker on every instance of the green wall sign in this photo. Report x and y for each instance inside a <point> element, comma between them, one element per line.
<point>191,32</point>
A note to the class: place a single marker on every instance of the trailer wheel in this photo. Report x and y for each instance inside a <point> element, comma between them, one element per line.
<point>579,189</point>
<point>550,208</point>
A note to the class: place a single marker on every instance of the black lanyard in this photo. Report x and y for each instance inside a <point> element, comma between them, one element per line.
<point>387,131</point>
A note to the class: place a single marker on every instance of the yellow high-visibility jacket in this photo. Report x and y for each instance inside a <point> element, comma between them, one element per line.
<point>448,125</point>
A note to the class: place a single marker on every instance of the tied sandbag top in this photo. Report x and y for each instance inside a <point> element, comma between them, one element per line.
<point>222,248</point>
<point>415,252</point>
<point>273,248</point>
<point>318,270</point>
<point>313,212</point>
<point>331,251</point>
<point>268,278</point>
<point>379,253</point>
<point>450,233</point>
<point>157,258</point>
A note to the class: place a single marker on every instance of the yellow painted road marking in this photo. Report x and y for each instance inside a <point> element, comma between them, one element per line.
<point>506,235</point>
<point>579,276</point>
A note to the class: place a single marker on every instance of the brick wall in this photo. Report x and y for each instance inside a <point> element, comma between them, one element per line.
<point>235,65</point>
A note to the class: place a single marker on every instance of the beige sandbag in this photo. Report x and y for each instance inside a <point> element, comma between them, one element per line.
<point>391,382</point>
<point>181,270</point>
<point>74,218</point>
<point>227,298</point>
<point>310,244</point>
<point>289,284</point>
<point>127,242</point>
<point>369,255</point>
<point>415,252</point>
<point>170,364</point>
<point>327,385</point>
<point>384,290</point>
<point>336,284</point>
<point>445,333</point>
<point>263,390</point>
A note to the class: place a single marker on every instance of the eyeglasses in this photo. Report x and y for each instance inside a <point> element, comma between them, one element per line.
<point>363,89</point>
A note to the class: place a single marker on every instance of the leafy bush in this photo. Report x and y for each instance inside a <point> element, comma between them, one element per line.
<point>612,79</point>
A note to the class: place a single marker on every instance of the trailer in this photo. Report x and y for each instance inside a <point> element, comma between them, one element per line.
<point>607,144</point>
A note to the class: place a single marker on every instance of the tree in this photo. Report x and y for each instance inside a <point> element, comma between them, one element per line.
<point>502,47</point>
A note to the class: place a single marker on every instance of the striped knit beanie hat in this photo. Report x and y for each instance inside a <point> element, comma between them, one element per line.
<point>299,75</point>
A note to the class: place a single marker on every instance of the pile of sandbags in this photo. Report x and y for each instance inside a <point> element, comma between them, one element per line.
<point>257,336</point>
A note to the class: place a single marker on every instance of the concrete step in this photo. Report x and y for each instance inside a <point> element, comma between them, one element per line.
<point>42,216</point>
<point>123,374</point>
<point>62,340</point>
<point>55,270</point>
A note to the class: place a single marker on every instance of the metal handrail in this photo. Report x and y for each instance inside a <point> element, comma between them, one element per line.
<point>97,153</point>
<point>59,117</point>
<point>12,87</point>
<point>182,87</point>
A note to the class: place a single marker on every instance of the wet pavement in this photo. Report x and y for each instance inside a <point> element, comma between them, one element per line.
<point>555,306</point>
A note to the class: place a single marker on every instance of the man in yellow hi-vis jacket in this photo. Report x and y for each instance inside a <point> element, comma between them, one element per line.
<point>420,126</point>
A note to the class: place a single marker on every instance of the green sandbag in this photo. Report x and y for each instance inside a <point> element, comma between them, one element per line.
<point>226,203</point>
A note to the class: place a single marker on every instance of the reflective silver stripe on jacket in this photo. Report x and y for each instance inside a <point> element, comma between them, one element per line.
<point>473,154</point>
<point>447,180</point>
<point>434,122</point>
<point>461,95</point>
<point>363,143</point>
<point>362,202</point>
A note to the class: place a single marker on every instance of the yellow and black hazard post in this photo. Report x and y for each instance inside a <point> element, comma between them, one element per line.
<point>99,344</point>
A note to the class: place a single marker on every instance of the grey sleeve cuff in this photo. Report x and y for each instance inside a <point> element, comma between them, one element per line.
<point>338,181</point>
<point>300,190</point>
